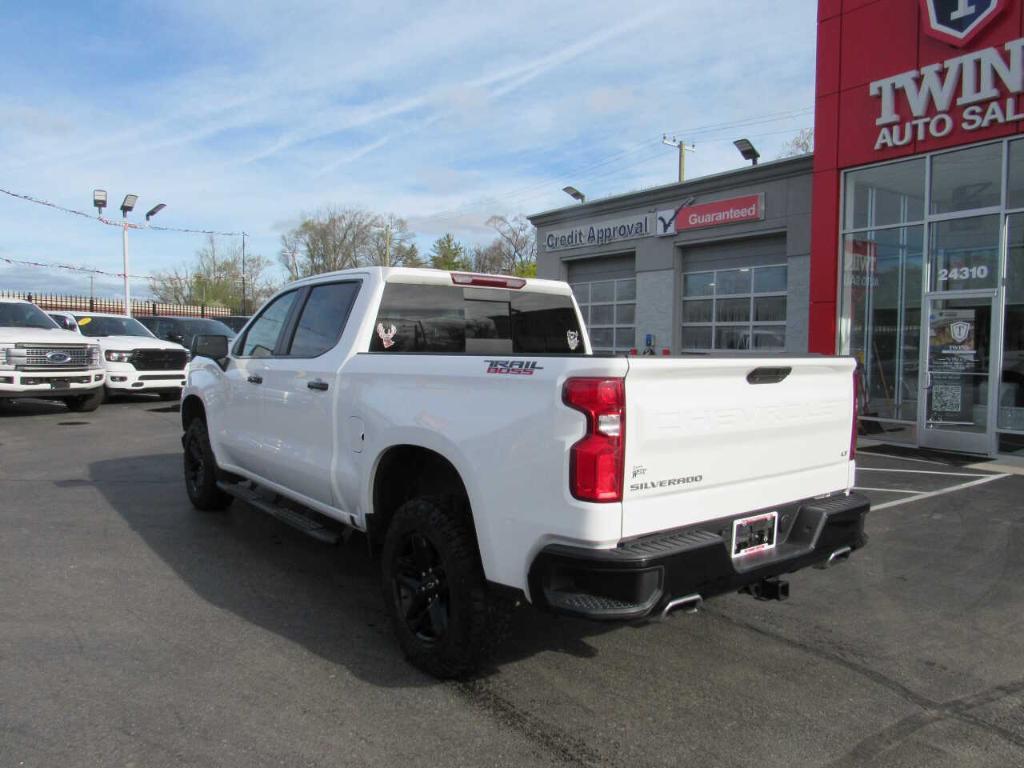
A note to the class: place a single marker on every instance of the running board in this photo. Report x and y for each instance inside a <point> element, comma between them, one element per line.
<point>286,515</point>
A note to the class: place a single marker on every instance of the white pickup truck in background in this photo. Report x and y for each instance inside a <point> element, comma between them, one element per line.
<point>462,422</point>
<point>39,359</point>
<point>135,360</point>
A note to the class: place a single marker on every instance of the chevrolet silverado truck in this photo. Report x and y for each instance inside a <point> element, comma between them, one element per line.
<point>40,359</point>
<point>463,424</point>
<point>136,361</point>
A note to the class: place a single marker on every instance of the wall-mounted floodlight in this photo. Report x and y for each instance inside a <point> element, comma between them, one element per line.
<point>747,150</point>
<point>154,211</point>
<point>128,204</point>
<point>99,200</point>
<point>575,194</point>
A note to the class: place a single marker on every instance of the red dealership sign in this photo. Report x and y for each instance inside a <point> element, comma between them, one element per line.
<point>735,210</point>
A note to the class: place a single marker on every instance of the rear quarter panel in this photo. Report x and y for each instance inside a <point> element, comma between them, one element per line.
<point>508,436</point>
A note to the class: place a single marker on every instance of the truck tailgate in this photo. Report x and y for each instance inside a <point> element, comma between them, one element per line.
<point>704,442</point>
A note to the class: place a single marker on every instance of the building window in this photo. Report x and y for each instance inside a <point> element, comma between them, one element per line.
<point>735,309</point>
<point>609,312</point>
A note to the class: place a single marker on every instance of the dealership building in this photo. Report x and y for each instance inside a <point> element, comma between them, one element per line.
<point>901,242</point>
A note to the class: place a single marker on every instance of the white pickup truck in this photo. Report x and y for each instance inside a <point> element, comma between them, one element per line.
<point>463,423</point>
<point>40,359</point>
<point>135,360</point>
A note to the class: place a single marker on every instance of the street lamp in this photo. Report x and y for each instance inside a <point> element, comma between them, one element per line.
<point>99,200</point>
<point>575,194</point>
<point>747,150</point>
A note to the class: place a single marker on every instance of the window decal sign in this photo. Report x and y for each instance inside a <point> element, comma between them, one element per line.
<point>386,335</point>
<point>573,338</point>
<point>957,21</point>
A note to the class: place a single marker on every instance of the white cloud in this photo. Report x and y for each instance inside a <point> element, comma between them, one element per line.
<point>444,116</point>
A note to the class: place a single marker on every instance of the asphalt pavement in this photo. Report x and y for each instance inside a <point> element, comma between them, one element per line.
<point>136,631</point>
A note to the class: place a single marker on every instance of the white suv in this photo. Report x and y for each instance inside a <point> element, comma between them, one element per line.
<point>135,360</point>
<point>39,359</point>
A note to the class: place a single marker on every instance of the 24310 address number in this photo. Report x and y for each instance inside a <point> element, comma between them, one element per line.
<point>963,273</point>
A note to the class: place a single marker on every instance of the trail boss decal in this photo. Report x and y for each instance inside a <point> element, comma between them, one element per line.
<point>513,367</point>
<point>652,484</point>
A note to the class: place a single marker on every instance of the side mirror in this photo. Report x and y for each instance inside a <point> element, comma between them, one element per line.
<point>177,338</point>
<point>211,346</point>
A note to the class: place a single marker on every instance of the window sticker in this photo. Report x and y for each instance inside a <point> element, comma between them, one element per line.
<point>573,338</point>
<point>84,320</point>
<point>386,334</point>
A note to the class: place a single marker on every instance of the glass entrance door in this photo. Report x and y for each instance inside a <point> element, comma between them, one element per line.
<point>957,382</point>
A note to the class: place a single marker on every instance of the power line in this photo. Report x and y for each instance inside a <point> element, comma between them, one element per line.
<point>583,172</point>
<point>72,268</point>
<point>114,223</point>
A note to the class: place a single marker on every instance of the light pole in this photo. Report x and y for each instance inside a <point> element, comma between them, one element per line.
<point>99,201</point>
<point>126,207</point>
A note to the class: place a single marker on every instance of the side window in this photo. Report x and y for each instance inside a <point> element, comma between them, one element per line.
<point>263,334</point>
<point>323,318</point>
<point>420,318</point>
<point>543,322</point>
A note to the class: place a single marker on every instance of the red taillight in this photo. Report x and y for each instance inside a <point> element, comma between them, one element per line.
<point>596,462</point>
<point>487,281</point>
<point>853,427</point>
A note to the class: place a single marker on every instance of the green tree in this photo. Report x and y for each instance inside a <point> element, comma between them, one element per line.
<point>449,254</point>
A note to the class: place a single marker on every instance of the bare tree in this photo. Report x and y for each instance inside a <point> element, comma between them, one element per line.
<point>801,144</point>
<point>489,259</point>
<point>518,243</point>
<point>328,240</point>
<point>389,242</point>
<point>214,278</point>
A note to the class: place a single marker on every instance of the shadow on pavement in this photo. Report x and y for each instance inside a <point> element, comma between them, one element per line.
<point>326,599</point>
<point>30,407</point>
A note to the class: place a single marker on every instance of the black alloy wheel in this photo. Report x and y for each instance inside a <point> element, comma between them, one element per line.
<point>200,467</point>
<point>421,588</point>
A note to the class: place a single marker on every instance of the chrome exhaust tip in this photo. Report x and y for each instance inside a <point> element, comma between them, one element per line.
<point>689,604</point>
<point>840,555</point>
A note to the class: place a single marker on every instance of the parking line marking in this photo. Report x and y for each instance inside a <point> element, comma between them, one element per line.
<point>885,490</point>
<point>901,458</point>
<point>980,481</point>
<point>924,472</point>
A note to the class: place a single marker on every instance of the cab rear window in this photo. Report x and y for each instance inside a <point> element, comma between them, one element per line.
<point>474,321</point>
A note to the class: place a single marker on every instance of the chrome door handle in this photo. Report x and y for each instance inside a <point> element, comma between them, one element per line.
<point>254,379</point>
<point>318,385</point>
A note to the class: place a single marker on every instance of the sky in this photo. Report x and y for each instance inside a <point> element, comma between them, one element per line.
<point>243,116</point>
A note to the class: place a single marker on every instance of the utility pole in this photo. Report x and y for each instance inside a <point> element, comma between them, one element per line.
<point>243,273</point>
<point>683,149</point>
<point>91,294</point>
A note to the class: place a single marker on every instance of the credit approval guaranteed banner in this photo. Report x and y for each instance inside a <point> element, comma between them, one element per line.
<point>734,210</point>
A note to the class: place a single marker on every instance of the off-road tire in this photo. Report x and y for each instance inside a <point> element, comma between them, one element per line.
<point>200,469</point>
<point>85,403</point>
<point>476,621</point>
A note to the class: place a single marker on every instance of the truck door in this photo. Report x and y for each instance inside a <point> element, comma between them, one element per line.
<point>240,427</point>
<point>303,413</point>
